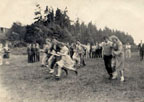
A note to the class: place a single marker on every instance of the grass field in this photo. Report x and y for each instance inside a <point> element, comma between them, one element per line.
<point>23,82</point>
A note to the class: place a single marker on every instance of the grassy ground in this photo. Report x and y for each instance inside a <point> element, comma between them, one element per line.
<point>23,82</point>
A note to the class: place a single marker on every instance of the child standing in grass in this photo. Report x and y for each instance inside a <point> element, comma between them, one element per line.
<point>6,55</point>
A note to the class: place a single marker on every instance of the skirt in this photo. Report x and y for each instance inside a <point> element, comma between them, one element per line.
<point>118,62</point>
<point>66,62</point>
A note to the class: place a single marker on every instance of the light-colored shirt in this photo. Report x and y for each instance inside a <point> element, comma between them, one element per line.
<point>107,48</point>
<point>128,47</point>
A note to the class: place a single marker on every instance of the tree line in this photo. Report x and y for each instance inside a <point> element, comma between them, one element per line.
<point>57,24</point>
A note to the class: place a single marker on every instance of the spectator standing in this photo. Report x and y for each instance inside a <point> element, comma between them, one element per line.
<point>1,54</point>
<point>128,50</point>
<point>37,52</point>
<point>141,50</point>
<point>29,53</point>
<point>6,55</point>
<point>33,51</point>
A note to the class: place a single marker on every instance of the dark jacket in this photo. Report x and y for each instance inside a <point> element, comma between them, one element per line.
<point>141,47</point>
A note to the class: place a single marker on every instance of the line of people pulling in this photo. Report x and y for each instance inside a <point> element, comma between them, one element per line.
<point>63,56</point>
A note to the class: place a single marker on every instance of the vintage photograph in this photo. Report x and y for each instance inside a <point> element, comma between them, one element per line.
<point>72,51</point>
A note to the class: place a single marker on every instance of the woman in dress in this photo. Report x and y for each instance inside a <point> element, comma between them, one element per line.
<point>118,57</point>
<point>66,62</point>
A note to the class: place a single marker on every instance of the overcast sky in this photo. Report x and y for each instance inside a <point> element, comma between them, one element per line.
<point>124,15</point>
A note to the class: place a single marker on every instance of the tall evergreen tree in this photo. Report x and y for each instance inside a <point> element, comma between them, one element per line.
<point>38,14</point>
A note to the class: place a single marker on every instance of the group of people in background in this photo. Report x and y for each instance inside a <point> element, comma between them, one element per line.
<point>4,54</point>
<point>95,51</point>
<point>33,51</point>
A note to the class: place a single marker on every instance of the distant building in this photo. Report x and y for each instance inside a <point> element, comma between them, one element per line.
<point>3,30</point>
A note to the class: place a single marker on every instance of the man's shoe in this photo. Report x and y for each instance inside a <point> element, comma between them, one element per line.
<point>76,72</point>
<point>110,78</point>
<point>57,77</point>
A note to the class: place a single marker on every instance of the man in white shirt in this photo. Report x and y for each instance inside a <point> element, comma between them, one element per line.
<point>107,55</point>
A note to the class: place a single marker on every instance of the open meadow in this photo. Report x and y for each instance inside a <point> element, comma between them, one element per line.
<point>24,82</point>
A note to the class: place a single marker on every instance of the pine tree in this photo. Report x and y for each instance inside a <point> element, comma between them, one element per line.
<point>38,14</point>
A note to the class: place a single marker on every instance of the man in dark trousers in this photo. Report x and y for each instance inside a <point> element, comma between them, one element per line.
<point>141,50</point>
<point>37,52</point>
<point>29,53</point>
<point>33,51</point>
<point>107,55</point>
